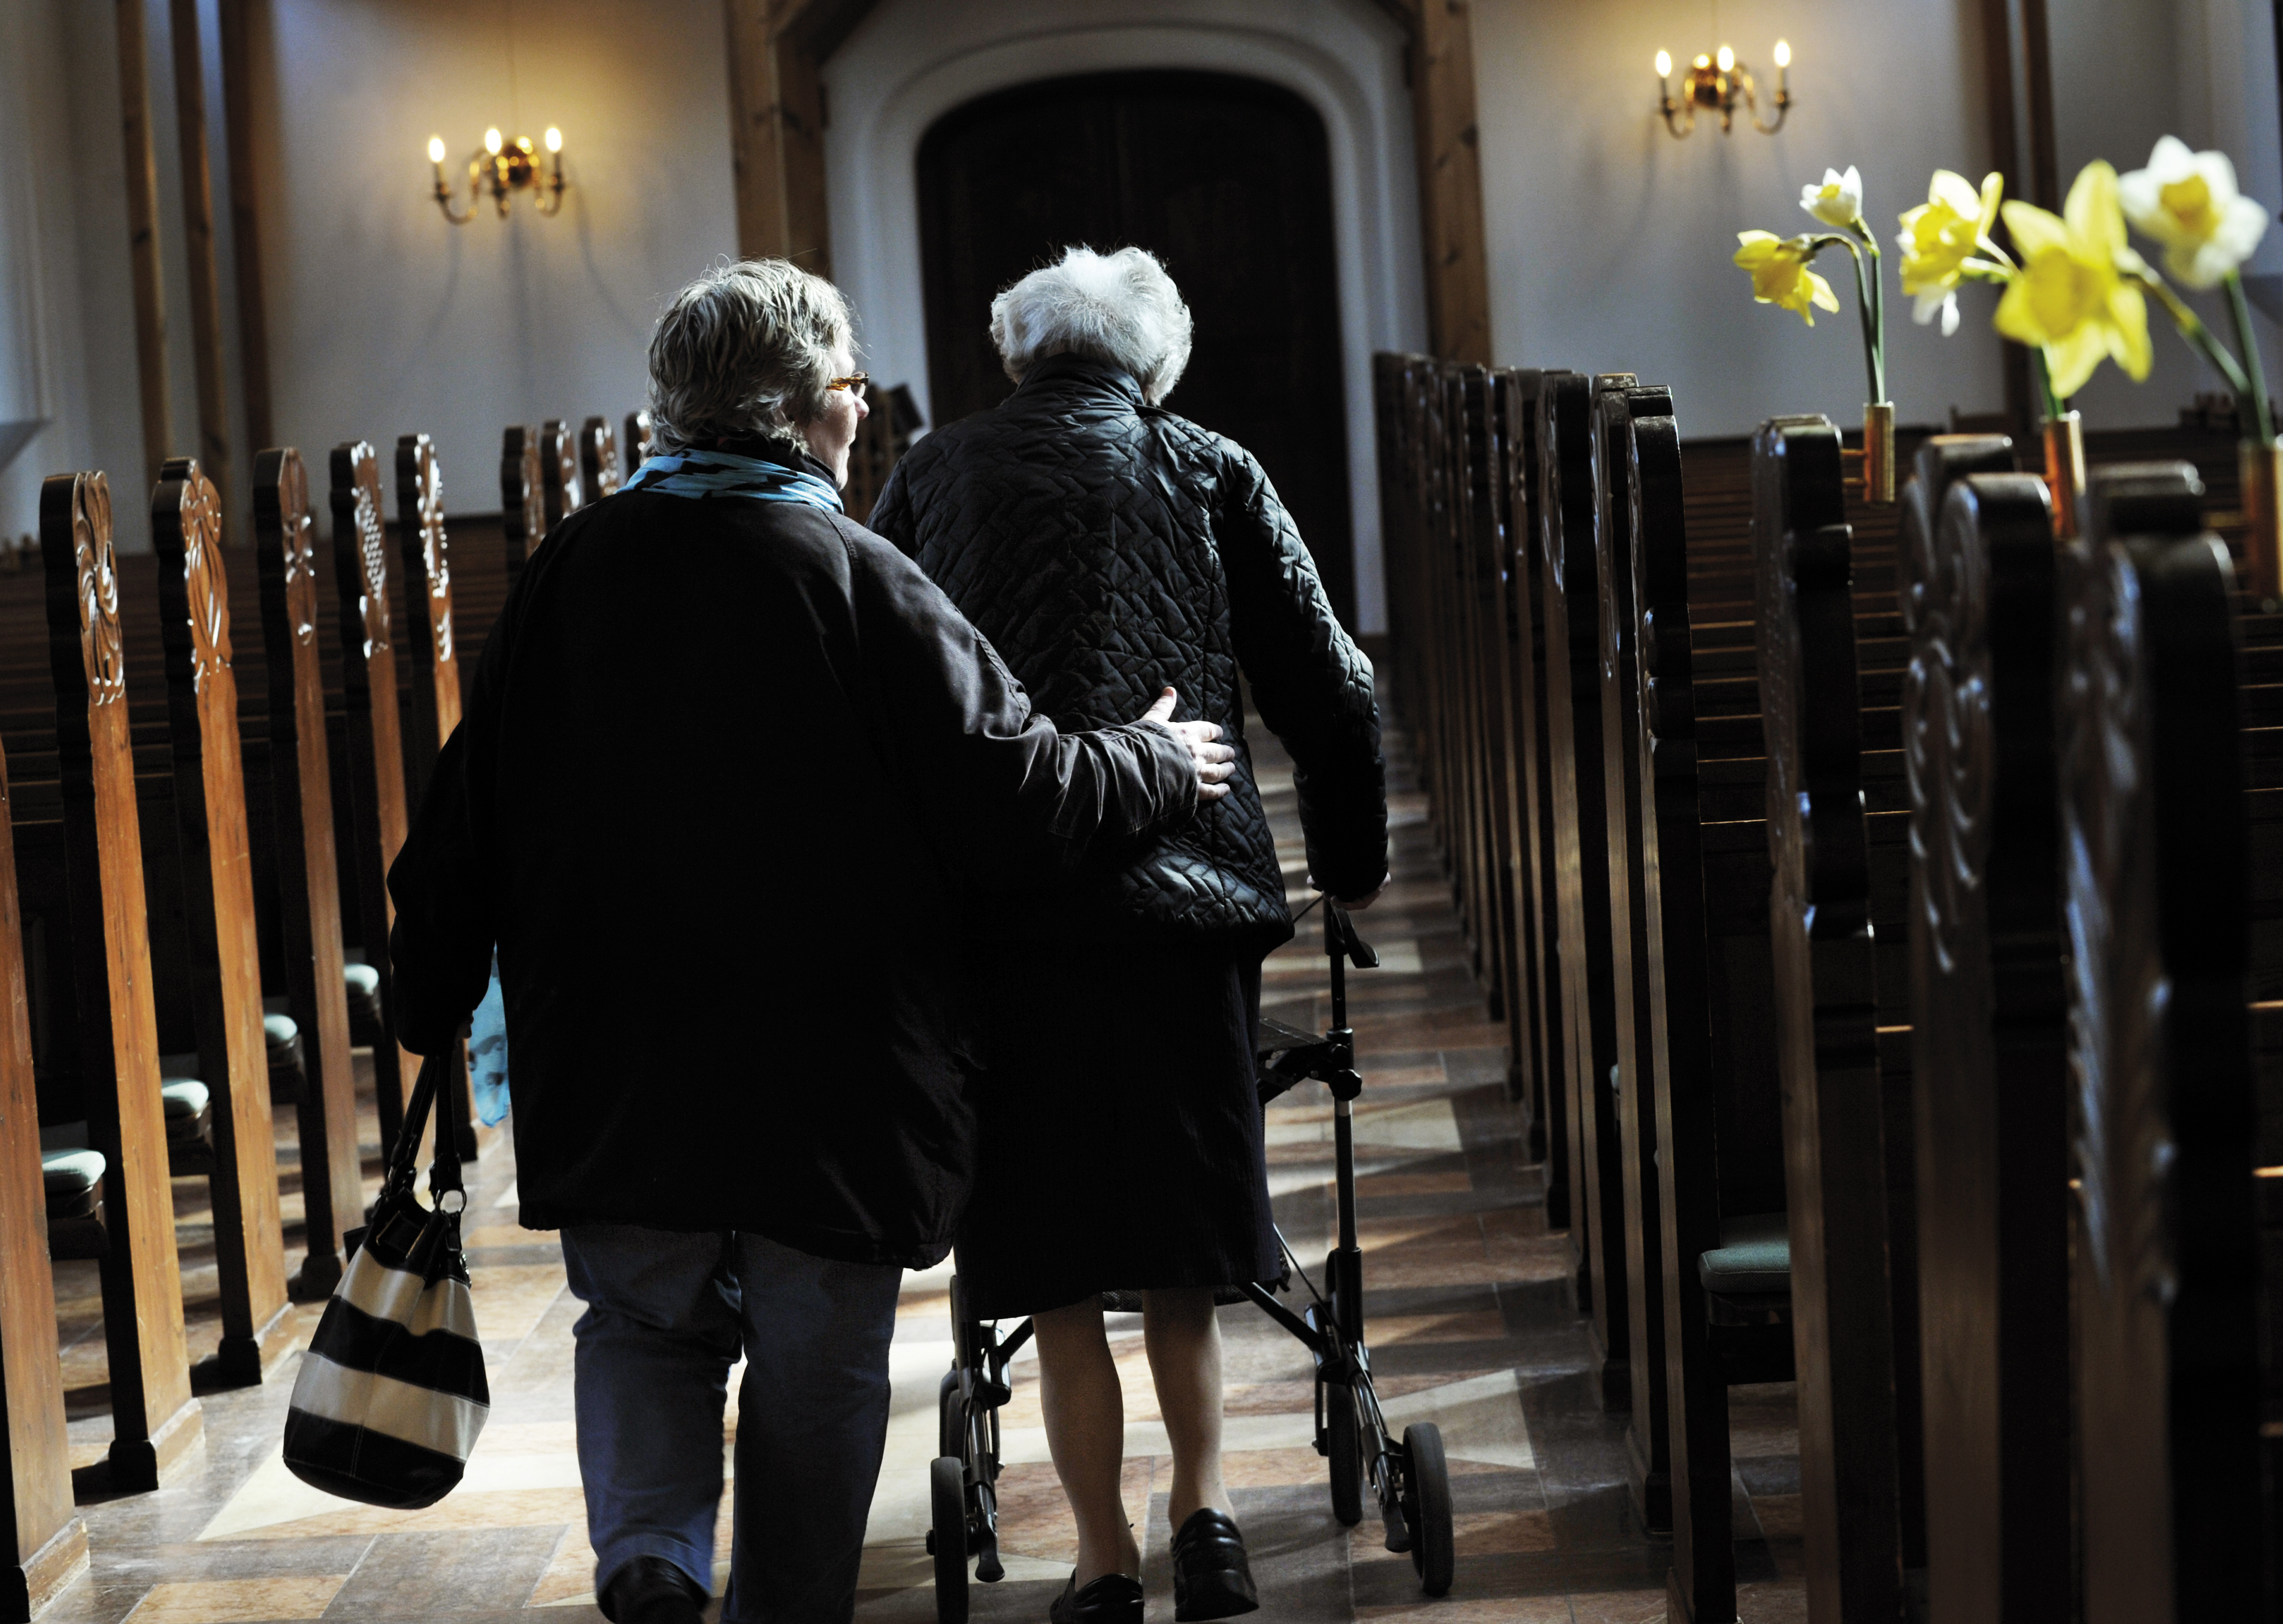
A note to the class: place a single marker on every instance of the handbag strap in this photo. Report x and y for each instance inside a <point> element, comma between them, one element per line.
<point>444,1172</point>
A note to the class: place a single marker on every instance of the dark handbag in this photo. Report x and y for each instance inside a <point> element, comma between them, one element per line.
<point>390,1394</point>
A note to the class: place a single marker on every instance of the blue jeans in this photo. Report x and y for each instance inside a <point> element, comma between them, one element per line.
<point>667,1315</point>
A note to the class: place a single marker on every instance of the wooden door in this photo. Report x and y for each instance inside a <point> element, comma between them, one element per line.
<point>1227,180</point>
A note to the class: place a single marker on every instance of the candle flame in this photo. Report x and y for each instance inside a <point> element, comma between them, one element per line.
<point>435,149</point>
<point>554,139</point>
<point>492,141</point>
<point>1663,65</point>
<point>1727,60</point>
<point>1783,53</point>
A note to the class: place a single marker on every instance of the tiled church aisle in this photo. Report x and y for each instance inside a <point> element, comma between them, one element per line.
<point>1470,1319</point>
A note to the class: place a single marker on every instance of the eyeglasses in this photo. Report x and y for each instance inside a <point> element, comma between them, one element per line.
<point>854,382</point>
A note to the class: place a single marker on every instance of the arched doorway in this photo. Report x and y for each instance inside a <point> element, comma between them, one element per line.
<point>1228,180</point>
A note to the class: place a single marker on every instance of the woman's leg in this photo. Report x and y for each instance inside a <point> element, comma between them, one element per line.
<point>1086,1431</point>
<point>1182,1335</point>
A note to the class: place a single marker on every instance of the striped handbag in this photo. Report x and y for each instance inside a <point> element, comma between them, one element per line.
<point>390,1394</point>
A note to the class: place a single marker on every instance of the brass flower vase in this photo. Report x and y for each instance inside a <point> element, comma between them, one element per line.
<point>2261,471</point>
<point>1875,461</point>
<point>2065,471</point>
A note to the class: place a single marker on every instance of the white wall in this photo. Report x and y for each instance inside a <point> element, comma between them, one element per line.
<point>914,60</point>
<point>1610,241</point>
<point>384,319</point>
<point>2128,71</point>
<point>68,333</point>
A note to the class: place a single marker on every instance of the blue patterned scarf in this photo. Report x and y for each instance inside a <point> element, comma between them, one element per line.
<point>706,474</point>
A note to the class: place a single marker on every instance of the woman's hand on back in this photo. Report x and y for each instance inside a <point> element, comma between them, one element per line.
<point>1215,763</point>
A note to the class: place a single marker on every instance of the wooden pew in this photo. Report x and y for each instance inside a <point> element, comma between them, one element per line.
<point>221,967</point>
<point>639,439</point>
<point>155,1419</point>
<point>431,651</point>
<point>1514,733</point>
<point>1573,706</point>
<point>1618,402</point>
<point>2161,837</point>
<point>523,497</point>
<point>1539,928</point>
<point>430,655</point>
<point>304,863</point>
<point>598,458</point>
<point>562,491</point>
<point>1989,1042</point>
<point>1838,838</point>
<point>1469,543</point>
<point>373,743</point>
<point>1703,964</point>
<point>47,1540</point>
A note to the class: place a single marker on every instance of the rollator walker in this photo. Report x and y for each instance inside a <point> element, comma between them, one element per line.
<point>1408,1475</point>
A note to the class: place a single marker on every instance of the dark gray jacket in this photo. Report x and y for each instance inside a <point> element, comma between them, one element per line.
<point>1108,548</point>
<point>732,776</point>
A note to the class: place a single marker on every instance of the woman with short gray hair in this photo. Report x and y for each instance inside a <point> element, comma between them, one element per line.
<point>722,747</point>
<point>1101,541</point>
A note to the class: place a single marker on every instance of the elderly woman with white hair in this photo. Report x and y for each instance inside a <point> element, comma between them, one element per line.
<point>722,746</point>
<point>1108,547</point>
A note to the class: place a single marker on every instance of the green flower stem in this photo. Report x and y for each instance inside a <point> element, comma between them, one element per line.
<point>1877,315</point>
<point>2201,336</point>
<point>1874,365</point>
<point>2261,417</point>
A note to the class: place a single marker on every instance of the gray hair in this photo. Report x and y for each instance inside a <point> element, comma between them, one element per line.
<point>745,351</point>
<point>1118,308</point>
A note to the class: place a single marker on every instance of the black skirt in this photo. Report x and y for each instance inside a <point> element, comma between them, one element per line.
<point>1120,1129</point>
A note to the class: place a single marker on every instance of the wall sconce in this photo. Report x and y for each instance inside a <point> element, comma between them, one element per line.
<point>506,169</point>
<point>1716,84</point>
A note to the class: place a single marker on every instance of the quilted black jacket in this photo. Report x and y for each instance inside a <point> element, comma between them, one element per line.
<point>1107,548</point>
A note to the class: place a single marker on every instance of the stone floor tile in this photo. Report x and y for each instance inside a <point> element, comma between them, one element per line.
<point>435,1574</point>
<point>233,1601</point>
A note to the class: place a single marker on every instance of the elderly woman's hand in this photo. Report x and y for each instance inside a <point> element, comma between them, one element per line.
<point>1215,763</point>
<point>1354,905</point>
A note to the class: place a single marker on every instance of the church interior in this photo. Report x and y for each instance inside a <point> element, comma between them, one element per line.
<point>1818,1151</point>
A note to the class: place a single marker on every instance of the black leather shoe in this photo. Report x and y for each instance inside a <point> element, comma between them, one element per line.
<point>1111,1599</point>
<point>1211,1577</point>
<point>652,1590</point>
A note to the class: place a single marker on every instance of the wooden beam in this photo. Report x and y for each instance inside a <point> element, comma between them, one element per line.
<point>1451,182</point>
<point>143,236</point>
<point>198,249</point>
<point>2017,81</point>
<point>776,137</point>
<point>245,222</point>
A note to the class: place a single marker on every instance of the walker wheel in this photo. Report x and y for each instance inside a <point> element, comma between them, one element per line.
<point>1345,1428</point>
<point>1427,1506</point>
<point>948,1496</point>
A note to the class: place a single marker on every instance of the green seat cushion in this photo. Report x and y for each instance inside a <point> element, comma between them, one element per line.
<point>279,1031</point>
<point>1753,1258</point>
<point>70,1174</point>
<point>183,1097</point>
<point>362,980</point>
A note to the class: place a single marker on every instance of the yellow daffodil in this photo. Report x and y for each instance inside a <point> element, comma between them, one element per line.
<point>1838,201</point>
<point>2188,202</point>
<point>1937,238</point>
<point>2071,296</point>
<point>1780,276</point>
